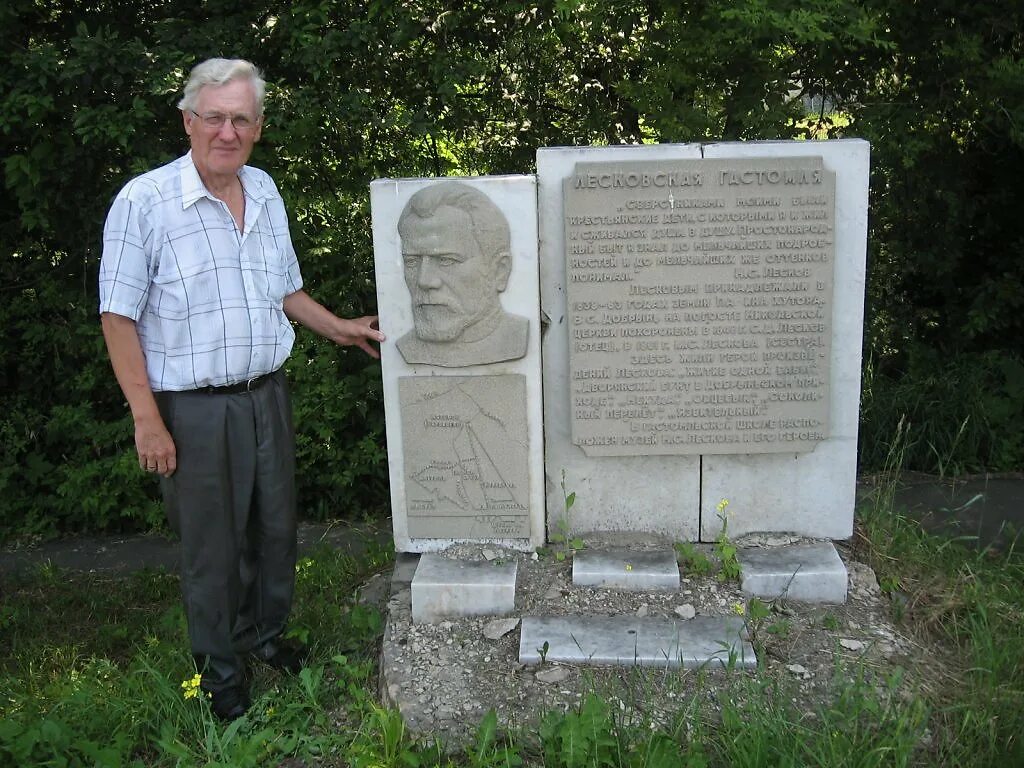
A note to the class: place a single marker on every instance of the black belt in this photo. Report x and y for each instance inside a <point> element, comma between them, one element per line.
<point>234,389</point>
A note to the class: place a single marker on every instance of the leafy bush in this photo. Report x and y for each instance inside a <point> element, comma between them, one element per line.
<point>360,90</point>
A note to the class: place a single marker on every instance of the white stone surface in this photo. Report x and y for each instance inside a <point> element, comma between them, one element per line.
<point>653,494</point>
<point>516,197</point>
<point>634,570</point>
<point>446,588</point>
<point>809,572</point>
<point>628,641</point>
<point>810,494</point>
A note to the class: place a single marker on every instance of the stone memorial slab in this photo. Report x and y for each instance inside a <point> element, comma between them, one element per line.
<point>705,306</point>
<point>811,572</point>
<point>699,296</point>
<point>457,289</point>
<point>635,570</point>
<point>810,493</point>
<point>443,587</point>
<point>705,641</point>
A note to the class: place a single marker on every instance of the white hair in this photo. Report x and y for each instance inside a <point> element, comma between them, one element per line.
<point>222,72</point>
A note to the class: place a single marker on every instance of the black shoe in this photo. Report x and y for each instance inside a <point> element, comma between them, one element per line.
<point>287,659</point>
<point>229,703</point>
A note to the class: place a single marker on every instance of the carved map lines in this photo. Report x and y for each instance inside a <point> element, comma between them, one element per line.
<point>463,459</point>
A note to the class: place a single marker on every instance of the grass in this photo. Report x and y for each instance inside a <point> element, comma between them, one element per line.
<point>956,414</point>
<point>92,666</point>
<point>972,603</point>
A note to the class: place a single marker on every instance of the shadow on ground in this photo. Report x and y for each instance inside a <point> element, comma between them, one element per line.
<point>132,553</point>
<point>981,510</point>
<point>987,510</point>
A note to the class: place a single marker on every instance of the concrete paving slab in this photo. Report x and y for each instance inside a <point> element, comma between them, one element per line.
<point>633,570</point>
<point>631,641</point>
<point>443,587</point>
<point>809,572</point>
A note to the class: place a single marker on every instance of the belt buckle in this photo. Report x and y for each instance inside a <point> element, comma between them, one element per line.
<point>249,383</point>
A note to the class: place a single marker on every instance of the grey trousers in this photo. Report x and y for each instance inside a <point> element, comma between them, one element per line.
<point>232,502</point>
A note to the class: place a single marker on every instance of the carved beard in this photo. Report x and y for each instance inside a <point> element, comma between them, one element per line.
<point>437,322</point>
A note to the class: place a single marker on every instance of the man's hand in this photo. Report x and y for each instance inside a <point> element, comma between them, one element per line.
<point>358,333</point>
<point>155,447</point>
<point>302,308</point>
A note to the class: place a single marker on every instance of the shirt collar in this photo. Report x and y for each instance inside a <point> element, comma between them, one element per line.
<point>192,187</point>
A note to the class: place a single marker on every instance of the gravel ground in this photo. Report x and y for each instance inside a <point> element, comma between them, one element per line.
<point>444,677</point>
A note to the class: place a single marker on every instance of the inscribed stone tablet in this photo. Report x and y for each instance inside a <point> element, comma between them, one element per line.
<point>464,442</point>
<point>700,305</point>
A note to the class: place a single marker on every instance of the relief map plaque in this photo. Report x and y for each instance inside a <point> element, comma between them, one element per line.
<point>464,442</point>
<point>700,305</point>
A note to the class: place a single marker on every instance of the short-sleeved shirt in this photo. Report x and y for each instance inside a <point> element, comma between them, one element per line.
<point>207,299</point>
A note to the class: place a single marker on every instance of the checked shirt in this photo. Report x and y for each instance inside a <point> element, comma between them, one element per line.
<point>207,299</point>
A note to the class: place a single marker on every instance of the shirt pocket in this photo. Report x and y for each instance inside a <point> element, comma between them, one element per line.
<point>188,279</point>
<point>268,268</point>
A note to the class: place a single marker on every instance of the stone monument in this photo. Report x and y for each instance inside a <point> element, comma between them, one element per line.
<point>699,317</point>
<point>704,306</point>
<point>456,270</point>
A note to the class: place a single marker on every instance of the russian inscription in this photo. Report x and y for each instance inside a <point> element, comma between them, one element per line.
<point>699,296</point>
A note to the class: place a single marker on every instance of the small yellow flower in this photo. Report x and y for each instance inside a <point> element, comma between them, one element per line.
<point>190,687</point>
<point>270,711</point>
<point>739,609</point>
<point>721,506</point>
<point>629,566</point>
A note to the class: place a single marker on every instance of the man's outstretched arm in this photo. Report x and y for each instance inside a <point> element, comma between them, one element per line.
<point>303,309</point>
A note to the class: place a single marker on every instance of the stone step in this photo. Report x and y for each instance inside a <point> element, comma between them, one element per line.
<point>446,588</point>
<point>621,568</point>
<point>810,572</point>
<point>716,641</point>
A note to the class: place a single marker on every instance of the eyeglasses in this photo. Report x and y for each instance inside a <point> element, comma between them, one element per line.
<point>216,121</point>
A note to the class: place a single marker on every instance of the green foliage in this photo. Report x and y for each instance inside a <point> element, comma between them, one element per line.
<point>564,542</point>
<point>859,727</point>
<point>974,602</point>
<point>952,413</point>
<point>75,693</point>
<point>725,549</point>
<point>360,90</point>
<point>583,739</point>
<point>692,559</point>
<point>488,751</point>
<point>944,117</point>
<point>91,671</point>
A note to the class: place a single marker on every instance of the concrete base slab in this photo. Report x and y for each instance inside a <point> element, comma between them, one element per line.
<point>634,570</point>
<point>443,587</point>
<point>631,641</point>
<point>810,572</point>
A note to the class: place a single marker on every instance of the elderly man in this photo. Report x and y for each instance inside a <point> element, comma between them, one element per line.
<point>456,250</point>
<point>198,282</point>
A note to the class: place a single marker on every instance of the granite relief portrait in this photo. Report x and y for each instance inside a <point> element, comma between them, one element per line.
<point>456,255</point>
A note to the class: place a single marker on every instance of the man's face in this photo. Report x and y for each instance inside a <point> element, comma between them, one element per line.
<point>453,284</point>
<point>220,152</point>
